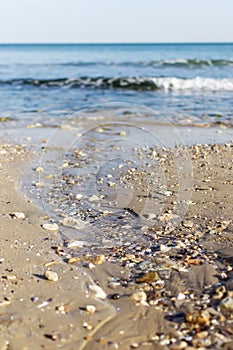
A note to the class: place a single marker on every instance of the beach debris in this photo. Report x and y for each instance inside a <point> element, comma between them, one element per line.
<point>181,296</point>
<point>61,308</point>
<point>114,296</point>
<point>197,319</point>
<point>97,291</point>
<point>73,260</point>
<point>88,326</point>
<point>79,196</point>
<point>18,215</point>
<point>43,304</point>
<point>72,222</point>
<point>227,304</point>
<point>39,169</point>
<point>93,198</point>
<point>11,277</point>
<point>122,133</point>
<point>111,184</point>
<point>139,297</point>
<point>179,346</point>
<point>90,309</point>
<point>53,336</point>
<point>51,276</point>
<point>75,244</point>
<point>50,227</point>
<point>52,263</point>
<point>96,260</point>
<point>5,302</point>
<point>147,277</point>
<point>164,248</point>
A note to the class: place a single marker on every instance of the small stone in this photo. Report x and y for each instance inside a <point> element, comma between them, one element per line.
<point>122,133</point>
<point>227,304</point>
<point>151,276</point>
<point>39,169</point>
<point>11,277</point>
<point>181,296</point>
<point>139,297</point>
<point>111,184</point>
<point>198,318</point>
<point>90,309</point>
<point>102,341</point>
<point>50,227</point>
<point>114,296</point>
<point>150,216</point>
<point>164,248</point>
<point>18,215</point>
<point>180,346</point>
<point>51,276</point>
<point>61,309</point>
<point>79,196</point>
<point>97,291</point>
<point>76,244</point>
<point>72,222</point>
<point>93,198</point>
<point>73,260</point>
<point>98,260</point>
<point>87,326</point>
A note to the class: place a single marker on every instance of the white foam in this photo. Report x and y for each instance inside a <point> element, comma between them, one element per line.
<point>198,83</point>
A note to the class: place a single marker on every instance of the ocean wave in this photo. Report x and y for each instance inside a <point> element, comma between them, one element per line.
<point>131,83</point>
<point>173,63</point>
<point>182,63</point>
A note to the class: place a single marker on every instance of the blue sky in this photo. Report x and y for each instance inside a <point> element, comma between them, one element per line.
<point>116,20</point>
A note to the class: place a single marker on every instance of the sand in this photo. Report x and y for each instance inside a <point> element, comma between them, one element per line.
<point>172,290</point>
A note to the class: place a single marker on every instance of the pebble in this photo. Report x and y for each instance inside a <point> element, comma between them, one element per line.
<point>51,276</point>
<point>50,227</point>
<point>98,291</point>
<point>96,260</point>
<point>90,309</point>
<point>39,169</point>
<point>151,276</point>
<point>181,296</point>
<point>164,248</point>
<point>227,304</point>
<point>76,244</point>
<point>139,297</point>
<point>79,196</point>
<point>87,326</point>
<point>72,222</point>
<point>122,133</point>
<point>18,215</point>
<point>11,277</point>
<point>93,198</point>
<point>180,346</point>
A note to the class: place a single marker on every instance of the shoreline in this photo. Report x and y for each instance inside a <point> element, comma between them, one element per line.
<point>168,291</point>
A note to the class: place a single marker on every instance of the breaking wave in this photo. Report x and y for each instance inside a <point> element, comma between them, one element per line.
<point>182,63</point>
<point>131,83</point>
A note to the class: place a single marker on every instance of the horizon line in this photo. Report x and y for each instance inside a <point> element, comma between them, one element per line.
<point>119,43</point>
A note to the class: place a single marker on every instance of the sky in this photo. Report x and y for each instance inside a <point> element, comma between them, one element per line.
<point>93,21</point>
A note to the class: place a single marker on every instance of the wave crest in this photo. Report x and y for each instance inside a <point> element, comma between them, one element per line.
<point>132,83</point>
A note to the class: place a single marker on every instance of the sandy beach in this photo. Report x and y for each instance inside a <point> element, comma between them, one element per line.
<point>170,290</point>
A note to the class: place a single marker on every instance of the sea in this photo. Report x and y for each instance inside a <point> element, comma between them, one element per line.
<point>98,118</point>
<point>187,83</point>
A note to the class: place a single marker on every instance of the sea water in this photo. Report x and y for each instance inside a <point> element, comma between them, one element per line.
<point>185,82</point>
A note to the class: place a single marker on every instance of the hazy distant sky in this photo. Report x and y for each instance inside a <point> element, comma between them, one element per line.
<point>116,20</point>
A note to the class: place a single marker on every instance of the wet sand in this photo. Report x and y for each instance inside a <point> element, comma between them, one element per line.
<point>170,289</point>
